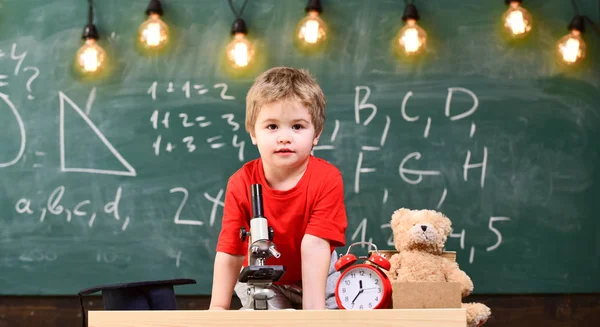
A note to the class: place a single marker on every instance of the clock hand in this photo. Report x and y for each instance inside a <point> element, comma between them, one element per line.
<point>360,284</point>
<point>359,292</point>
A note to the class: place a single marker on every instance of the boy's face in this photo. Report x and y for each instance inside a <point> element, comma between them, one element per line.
<point>284,134</point>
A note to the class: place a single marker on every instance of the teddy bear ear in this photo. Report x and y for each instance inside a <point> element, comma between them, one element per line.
<point>399,215</point>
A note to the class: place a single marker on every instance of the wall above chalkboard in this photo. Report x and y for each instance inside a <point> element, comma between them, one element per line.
<point>123,179</point>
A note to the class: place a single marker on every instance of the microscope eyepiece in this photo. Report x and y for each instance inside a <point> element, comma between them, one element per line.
<point>257,201</point>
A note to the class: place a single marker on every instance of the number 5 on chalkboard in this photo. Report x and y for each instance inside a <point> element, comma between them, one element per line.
<point>495,231</point>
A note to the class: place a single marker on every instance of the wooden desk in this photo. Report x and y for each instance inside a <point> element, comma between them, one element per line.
<point>280,318</point>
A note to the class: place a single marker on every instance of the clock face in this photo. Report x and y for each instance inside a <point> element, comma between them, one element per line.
<point>360,289</point>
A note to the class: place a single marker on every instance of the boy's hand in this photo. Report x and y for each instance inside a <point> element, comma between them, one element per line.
<point>227,268</point>
<point>216,308</point>
<point>316,254</point>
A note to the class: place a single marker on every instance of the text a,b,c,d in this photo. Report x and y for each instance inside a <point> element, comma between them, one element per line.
<point>55,207</point>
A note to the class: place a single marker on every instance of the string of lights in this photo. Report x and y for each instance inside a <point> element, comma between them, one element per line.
<point>312,34</point>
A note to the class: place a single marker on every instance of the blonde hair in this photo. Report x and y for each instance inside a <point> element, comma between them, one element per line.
<point>283,84</point>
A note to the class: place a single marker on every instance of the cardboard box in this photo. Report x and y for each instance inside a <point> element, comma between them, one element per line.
<point>426,295</point>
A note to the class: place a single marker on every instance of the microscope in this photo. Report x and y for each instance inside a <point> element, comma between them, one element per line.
<point>257,275</point>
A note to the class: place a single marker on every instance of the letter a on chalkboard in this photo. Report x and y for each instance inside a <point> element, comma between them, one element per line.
<point>65,101</point>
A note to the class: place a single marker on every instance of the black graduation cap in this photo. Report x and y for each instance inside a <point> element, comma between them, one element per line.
<point>147,295</point>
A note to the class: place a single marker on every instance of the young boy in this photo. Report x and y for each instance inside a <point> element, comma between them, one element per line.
<point>303,196</point>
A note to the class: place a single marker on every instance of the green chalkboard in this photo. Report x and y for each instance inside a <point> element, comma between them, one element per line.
<point>123,179</point>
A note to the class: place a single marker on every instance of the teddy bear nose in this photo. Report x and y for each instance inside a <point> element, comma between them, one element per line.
<point>424,227</point>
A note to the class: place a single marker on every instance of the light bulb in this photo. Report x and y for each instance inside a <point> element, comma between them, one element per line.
<point>90,58</point>
<point>240,51</point>
<point>571,48</point>
<point>153,33</point>
<point>411,39</point>
<point>311,29</point>
<point>517,20</point>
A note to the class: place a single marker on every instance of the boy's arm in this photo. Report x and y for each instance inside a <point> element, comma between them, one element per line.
<point>227,266</point>
<point>316,256</point>
<point>326,229</point>
<point>226,271</point>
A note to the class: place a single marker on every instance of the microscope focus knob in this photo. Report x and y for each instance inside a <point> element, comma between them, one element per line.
<point>271,233</point>
<point>243,234</point>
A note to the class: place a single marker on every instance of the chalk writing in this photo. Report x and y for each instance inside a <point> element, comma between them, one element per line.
<point>38,255</point>
<point>2,82</point>
<point>482,165</point>
<point>177,218</point>
<point>130,171</point>
<point>408,168</point>
<point>465,114</point>
<point>216,201</point>
<point>22,134</point>
<point>190,142</point>
<point>361,104</point>
<point>36,73</point>
<point>334,134</point>
<point>420,173</point>
<point>84,208</point>
<point>111,257</point>
<point>361,230</point>
<point>164,121</point>
<point>18,57</point>
<point>496,231</point>
<point>186,88</point>
<point>90,101</point>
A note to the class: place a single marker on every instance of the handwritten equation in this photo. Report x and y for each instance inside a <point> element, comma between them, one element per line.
<point>190,142</point>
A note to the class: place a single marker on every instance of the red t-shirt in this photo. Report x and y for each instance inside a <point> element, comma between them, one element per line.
<point>314,206</point>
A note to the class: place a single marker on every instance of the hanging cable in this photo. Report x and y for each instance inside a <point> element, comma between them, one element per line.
<point>90,31</point>
<point>586,18</point>
<point>237,15</point>
<point>90,12</point>
<point>575,7</point>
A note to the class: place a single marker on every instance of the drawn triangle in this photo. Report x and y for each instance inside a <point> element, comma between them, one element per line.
<point>128,169</point>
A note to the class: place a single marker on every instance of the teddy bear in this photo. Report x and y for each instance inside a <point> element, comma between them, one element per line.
<point>419,237</point>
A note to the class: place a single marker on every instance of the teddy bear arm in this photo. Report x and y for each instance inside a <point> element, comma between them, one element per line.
<point>394,266</point>
<point>455,274</point>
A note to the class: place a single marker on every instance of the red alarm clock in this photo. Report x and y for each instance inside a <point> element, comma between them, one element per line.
<point>363,286</point>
